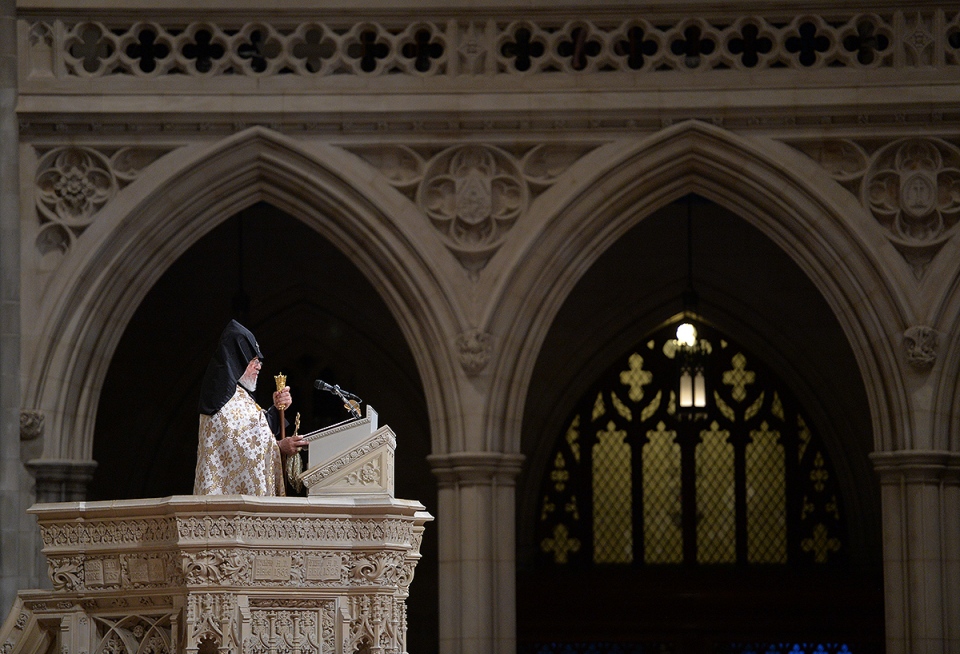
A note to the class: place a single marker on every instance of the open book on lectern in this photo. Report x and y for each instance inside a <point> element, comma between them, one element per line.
<point>351,457</point>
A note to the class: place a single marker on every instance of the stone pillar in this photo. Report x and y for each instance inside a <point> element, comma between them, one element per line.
<point>476,521</point>
<point>15,528</point>
<point>920,493</point>
<point>61,480</point>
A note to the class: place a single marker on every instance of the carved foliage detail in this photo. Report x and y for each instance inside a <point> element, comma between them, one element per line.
<point>920,344</point>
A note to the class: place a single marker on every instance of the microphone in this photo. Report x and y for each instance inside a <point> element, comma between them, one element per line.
<point>321,385</point>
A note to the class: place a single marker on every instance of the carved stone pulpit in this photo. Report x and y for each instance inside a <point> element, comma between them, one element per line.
<point>234,574</point>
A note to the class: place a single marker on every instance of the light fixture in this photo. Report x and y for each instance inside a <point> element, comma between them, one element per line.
<point>691,349</point>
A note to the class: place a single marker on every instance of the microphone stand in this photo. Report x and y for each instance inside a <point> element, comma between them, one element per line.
<point>349,405</point>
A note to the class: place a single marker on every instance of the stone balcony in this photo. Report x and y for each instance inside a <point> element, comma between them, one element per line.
<point>221,574</point>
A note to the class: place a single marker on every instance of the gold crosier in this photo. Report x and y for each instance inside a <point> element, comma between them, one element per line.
<point>293,465</point>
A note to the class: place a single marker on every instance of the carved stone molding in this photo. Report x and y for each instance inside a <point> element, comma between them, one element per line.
<point>473,194</point>
<point>474,347</point>
<point>920,344</point>
<point>31,424</point>
<point>908,185</point>
<point>74,183</point>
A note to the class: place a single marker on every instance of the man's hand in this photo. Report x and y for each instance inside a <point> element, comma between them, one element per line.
<point>282,399</point>
<point>292,444</point>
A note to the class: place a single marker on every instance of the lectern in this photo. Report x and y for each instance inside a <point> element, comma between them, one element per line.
<point>353,457</point>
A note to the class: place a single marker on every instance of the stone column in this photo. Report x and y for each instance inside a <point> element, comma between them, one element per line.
<point>920,493</point>
<point>476,528</point>
<point>15,527</point>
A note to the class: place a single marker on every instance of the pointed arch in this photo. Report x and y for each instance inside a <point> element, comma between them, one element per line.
<point>186,194</point>
<point>772,187</point>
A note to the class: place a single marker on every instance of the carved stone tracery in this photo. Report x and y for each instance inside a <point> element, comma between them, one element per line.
<point>473,194</point>
<point>73,183</point>
<point>513,45</point>
<point>910,186</point>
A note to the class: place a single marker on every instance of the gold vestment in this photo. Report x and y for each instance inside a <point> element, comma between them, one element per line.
<point>238,454</point>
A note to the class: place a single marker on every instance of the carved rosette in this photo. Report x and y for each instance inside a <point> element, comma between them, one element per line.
<point>920,346</point>
<point>474,347</point>
<point>74,183</point>
<point>31,425</point>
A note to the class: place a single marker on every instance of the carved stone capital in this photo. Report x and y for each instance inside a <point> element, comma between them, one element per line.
<point>920,345</point>
<point>476,467</point>
<point>917,467</point>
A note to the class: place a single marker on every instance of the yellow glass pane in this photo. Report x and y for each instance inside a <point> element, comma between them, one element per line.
<point>766,498</point>
<point>716,510</point>
<point>612,498</point>
<point>662,531</point>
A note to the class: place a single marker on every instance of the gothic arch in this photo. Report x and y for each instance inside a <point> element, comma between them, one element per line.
<point>772,187</point>
<point>186,194</point>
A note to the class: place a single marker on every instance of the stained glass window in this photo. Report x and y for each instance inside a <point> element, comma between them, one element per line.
<point>632,480</point>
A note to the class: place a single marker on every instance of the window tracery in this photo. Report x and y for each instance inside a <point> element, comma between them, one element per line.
<point>749,484</point>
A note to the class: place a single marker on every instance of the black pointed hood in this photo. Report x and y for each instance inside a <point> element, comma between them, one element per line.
<point>237,348</point>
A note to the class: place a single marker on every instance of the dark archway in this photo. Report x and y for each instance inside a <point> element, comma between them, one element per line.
<point>315,316</point>
<point>751,289</point>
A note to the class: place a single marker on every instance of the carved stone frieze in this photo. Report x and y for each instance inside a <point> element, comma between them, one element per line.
<point>333,530</point>
<point>474,347</point>
<point>73,183</point>
<point>910,186</point>
<point>920,345</point>
<point>130,571</point>
<point>473,194</point>
<point>107,532</point>
<point>31,424</point>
